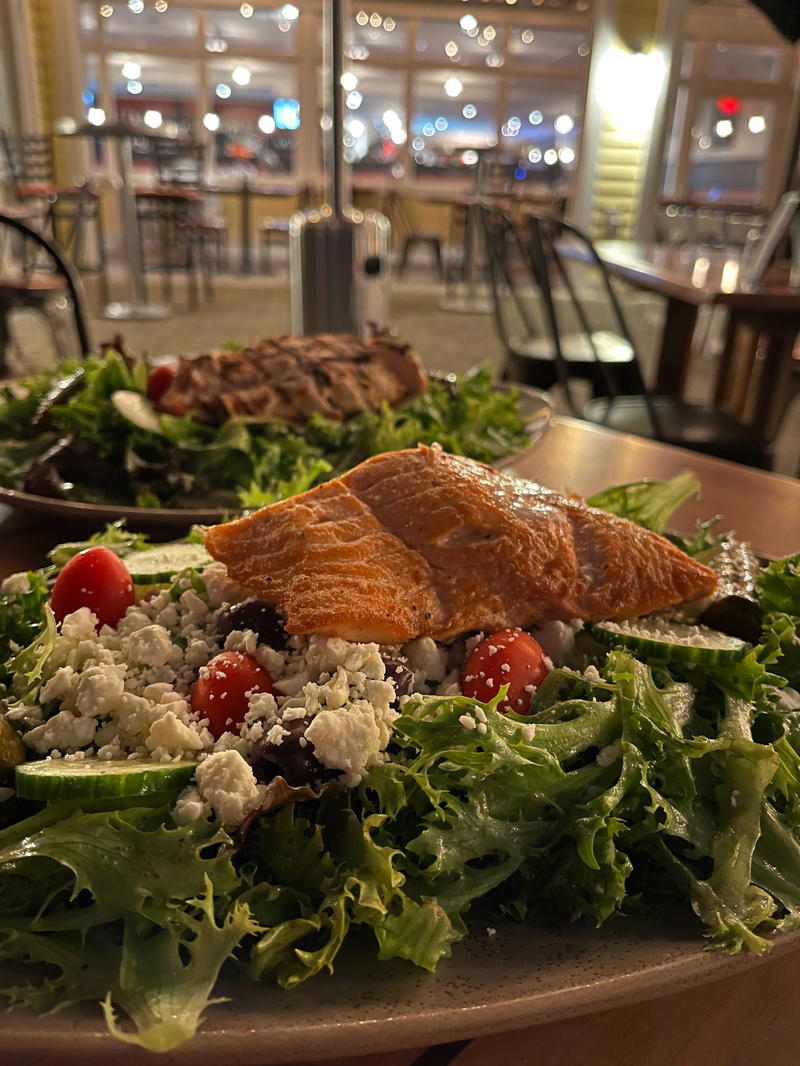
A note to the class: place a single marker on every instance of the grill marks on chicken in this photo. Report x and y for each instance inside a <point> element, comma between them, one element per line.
<point>422,543</point>
<point>292,378</point>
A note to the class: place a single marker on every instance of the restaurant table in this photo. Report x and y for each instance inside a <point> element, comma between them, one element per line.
<point>687,278</point>
<point>122,133</point>
<point>750,1018</point>
<point>245,191</point>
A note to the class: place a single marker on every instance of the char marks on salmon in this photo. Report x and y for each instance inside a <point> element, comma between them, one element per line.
<point>422,543</point>
<point>293,378</point>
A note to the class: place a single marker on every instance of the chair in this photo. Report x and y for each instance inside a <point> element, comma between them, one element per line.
<point>22,288</point>
<point>175,237</point>
<point>532,357</point>
<point>664,418</point>
<point>65,211</point>
<point>405,224</point>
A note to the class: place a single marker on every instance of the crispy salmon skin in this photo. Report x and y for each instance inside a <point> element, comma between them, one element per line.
<point>423,543</point>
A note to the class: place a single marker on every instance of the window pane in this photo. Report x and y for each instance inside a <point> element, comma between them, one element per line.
<point>269,31</point>
<point>369,36</point>
<point>448,130</point>
<point>257,121</point>
<point>376,131</point>
<point>747,62</point>
<point>154,92</point>
<point>541,130</point>
<point>565,49</point>
<point>463,39</point>
<point>150,28</point>
<point>727,159</point>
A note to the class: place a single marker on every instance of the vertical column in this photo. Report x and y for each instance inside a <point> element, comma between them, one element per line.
<point>307,164</point>
<point>624,126</point>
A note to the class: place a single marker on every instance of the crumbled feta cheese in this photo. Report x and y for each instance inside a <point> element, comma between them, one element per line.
<point>557,640</point>
<point>427,660</point>
<point>62,732</point>
<point>228,784</point>
<point>347,739</point>
<point>79,625</point>
<point>528,732</point>
<point>60,685</point>
<point>99,689</point>
<point>170,736</point>
<point>190,806</point>
<point>468,721</point>
<point>150,646</point>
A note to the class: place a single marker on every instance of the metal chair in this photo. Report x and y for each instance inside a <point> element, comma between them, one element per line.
<point>532,357</point>
<point>664,418</point>
<point>43,292</point>
<point>64,211</point>
<point>406,226</point>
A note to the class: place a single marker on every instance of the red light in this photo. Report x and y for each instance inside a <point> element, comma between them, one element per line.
<point>729,105</point>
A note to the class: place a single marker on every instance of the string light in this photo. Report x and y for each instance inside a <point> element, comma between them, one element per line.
<point>161,6</point>
<point>348,81</point>
<point>241,75</point>
<point>246,11</point>
<point>136,6</point>
<point>211,122</point>
<point>453,87</point>
<point>152,119</point>
<point>223,91</point>
<point>106,10</point>
<point>266,124</point>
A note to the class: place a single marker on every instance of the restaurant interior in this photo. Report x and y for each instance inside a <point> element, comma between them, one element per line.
<point>253,253</point>
<point>163,146</point>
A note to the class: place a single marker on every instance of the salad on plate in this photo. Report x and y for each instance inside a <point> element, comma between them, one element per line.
<point>240,427</point>
<point>194,778</point>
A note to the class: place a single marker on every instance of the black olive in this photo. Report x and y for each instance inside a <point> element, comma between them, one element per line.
<point>43,479</point>
<point>296,762</point>
<point>263,618</point>
<point>738,616</point>
<point>400,674</point>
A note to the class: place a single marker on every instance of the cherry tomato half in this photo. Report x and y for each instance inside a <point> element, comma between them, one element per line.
<point>511,657</point>
<point>95,578</point>
<point>159,380</point>
<point>220,693</point>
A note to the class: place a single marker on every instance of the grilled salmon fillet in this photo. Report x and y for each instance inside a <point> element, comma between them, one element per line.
<point>422,543</point>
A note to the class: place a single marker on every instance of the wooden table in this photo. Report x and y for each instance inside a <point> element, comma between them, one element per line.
<point>752,1018</point>
<point>688,278</point>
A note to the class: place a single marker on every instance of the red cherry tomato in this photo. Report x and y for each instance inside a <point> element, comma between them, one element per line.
<point>95,578</point>
<point>159,380</point>
<point>511,657</point>
<point>220,693</point>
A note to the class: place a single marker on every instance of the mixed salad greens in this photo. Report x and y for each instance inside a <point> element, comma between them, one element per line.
<point>631,779</point>
<point>87,432</point>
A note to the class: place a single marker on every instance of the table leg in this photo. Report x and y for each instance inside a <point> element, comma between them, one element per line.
<point>473,297</point>
<point>138,308</point>
<point>245,204</point>
<point>676,348</point>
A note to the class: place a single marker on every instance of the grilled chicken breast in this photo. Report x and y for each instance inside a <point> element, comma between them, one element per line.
<point>422,543</point>
<point>292,378</point>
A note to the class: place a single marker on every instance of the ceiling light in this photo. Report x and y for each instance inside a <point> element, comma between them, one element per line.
<point>353,100</point>
<point>451,49</point>
<point>241,75</point>
<point>136,6</point>
<point>161,6</point>
<point>723,128</point>
<point>134,87</point>
<point>131,70</point>
<point>470,157</point>
<point>95,116</point>
<point>564,124</point>
<point>489,32</point>
<point>389,24</point>
<point>535,118</point>
<point>152,119</point>
<point>551,157</point>
<point>266,124</point>
<point>106,10</point>
<point>757,124</point>
<point>362,18</point>
<point>453,87</point>
<point>535,155</point>
<point>391,120</point>
<point>566,155</point>
<point>527,36</point>
<point>375,20</point>
<point>469,111</point>
<point>441,124</point>
<point>356,127</point>
<point>289,12</point>
<point>211,121</point>
<point>398,135</point>
<point>246,11</point>
<point>348,81</point>
<point>468,22</point>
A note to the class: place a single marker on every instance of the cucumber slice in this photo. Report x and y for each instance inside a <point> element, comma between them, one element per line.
<point>137,410</point>
<point>672,641</point>
<point>152,566</point>
<point>53,779</point>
